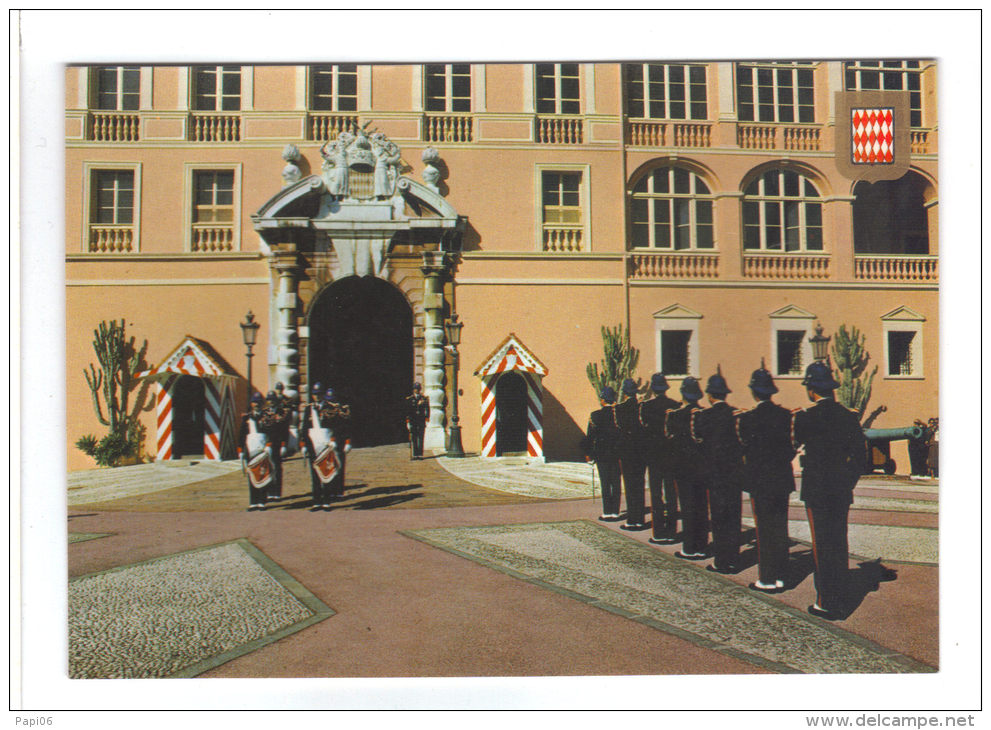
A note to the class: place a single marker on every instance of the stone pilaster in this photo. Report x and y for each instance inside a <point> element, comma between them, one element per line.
<point>284,331</point>
<point>435,269</point>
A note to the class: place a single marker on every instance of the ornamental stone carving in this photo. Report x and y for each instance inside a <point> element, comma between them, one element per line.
<point>291,172</point>
<point>360,167</point>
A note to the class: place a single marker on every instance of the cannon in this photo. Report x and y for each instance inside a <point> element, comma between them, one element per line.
<point>879,446</point>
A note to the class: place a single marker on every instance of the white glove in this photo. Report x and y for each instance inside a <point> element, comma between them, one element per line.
<point>347,447</point>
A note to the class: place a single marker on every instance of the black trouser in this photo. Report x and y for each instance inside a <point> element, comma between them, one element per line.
<point>771,520</point>
<point>275,486</point>
<point>663,499</point>
<point>609,476</point>
<point>694,514</point>
<point>725,506</point>
<point>829,548</point>
<point>633,467</point>
<point>416,438</point>
<point>257,495</point>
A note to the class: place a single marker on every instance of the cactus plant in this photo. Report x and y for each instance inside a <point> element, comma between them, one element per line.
<point>119,359</point>
<point>852,359</point>
<point>618,363</point>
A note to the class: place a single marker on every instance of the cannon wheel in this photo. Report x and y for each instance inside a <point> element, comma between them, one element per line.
<point>889,467</point>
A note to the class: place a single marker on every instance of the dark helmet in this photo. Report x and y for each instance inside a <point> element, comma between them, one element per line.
<point>717,383</point>
<point>317,388</point>
<point>257,398</point>
<point>330,396</point>
<point>608,395</point>
<point>690,389</point>
<point>762,383</point>
<point>271,395</point>
<point>416,386</point>
<point>819,376</point>
<point>279,387</point>
<point>658,383</point>
<point>629,387</point>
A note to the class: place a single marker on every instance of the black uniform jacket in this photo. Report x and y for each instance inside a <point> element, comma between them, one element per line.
<point>685,452</point>
<point>334,417</point>
<point>835,450</point>
<point>242,441</point>
<point>631,434</point>
<point>601,441</point>
<point>275,422</point>
<point>722,454</point>
<point>765,432</point>
<point>417,411</point>
<point>653,414</point>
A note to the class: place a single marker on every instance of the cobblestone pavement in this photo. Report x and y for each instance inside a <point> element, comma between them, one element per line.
<point>164,616</point>
<point>103,485</point>
<point>527,477</point>
<point>620,575</point>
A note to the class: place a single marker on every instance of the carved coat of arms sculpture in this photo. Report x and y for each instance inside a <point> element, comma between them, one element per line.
<point>360,167</point>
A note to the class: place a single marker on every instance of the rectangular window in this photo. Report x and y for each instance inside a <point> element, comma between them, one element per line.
<point>888,75</point>
<point>447,87</point>
<point>334,88</point>
<point>213,196</point>
<point>562,198</point>
<point>674,351</point>
<point>666,91</point>
<point>900,352</point>
<point>118,88</point>
<point>558,88</point>
<point>217,88</point>
<point>112,197</point>
<point>780,91</point>
<point>790,352</point>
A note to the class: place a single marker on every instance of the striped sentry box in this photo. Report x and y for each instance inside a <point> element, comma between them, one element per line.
<point>512,356</point>
<point>195,357</point>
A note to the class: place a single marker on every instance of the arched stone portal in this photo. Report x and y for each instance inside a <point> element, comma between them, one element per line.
<point>893,216</point>
<point>361,345</point>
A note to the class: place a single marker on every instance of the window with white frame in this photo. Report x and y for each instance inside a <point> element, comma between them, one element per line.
<point>676,330</point>
<point>782,211</point>
<point>558,88</point>
<point>888,76</point>
<point>213,207</point>
<point>666,91</point>
<point>334,88</point>
<point>217,88</point>
<point>447,87</point>
<point>671,208</point>
<point>118,88</point>
<point>112,214</point>
<point>791,350</point>
<point>112,197</point>
<point>779,91</point>
<point>562,209</point>
<point>903,343</point>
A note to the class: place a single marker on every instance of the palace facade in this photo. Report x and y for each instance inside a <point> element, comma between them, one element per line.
<point>718,210</point>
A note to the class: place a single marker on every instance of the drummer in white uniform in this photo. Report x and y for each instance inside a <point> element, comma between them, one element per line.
<point>255,450</point>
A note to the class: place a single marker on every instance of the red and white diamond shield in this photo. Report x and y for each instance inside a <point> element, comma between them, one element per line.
<point>872,131</point>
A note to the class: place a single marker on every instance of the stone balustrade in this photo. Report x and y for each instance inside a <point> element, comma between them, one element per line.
<point>786,266</point>
<point>563,239</point>
<point>209,238</point>
<point>801,139</point>
<point>114,127</point>
<point>560,130</point>
<point>447,128</point>
<point>755,136</point>
<point>920,141</point>
<point>215,127</point>
<point>896,268</point>
<point>674,265</point>
<point>324,127</point>
<point>642,133</point>
<point>111,239</point>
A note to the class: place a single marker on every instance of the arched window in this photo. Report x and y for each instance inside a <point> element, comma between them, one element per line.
<point>672,209</point>
<point>891,217</point>
<point>782,211</point>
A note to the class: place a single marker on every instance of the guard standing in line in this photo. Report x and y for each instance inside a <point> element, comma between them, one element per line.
<point>765,433</point>
<point>275,421</point>
<point>310,418</point>
<point>722,460</point>
<point>686,466</point>
<point>417,414</point>
<point>631,436</point>
<point>663,490</point>
<point>334,430</point>
<point>601,445</point>
<point>833,462</point>
<point>255,452</point>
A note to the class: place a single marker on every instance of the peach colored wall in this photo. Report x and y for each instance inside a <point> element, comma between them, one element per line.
<point>392,87</point>
<point>165,87</point>
<point>275,88</point>
<point>608,88</point>
<point>504,87</point>
<point>163,316</point>
<point>72,86</point>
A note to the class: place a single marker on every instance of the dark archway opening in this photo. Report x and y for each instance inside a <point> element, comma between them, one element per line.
<point>188,412</point>
<point>361,345</point>
<point>511,415</point>
<point>890,216</point>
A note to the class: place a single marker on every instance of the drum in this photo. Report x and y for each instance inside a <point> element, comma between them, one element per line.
<point>260,469</point>
<point>326,464</point>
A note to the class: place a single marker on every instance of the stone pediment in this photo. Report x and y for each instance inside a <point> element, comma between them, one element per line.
<point>903,314</point>
<point>677,311</point>
<point>791,312</point>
